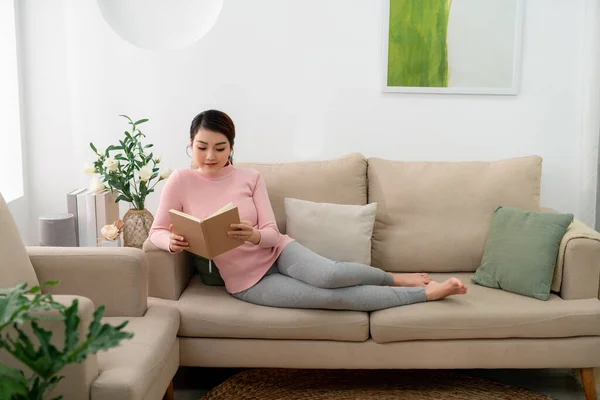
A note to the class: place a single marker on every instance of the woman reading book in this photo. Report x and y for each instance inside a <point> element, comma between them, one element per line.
<point>270,268</point>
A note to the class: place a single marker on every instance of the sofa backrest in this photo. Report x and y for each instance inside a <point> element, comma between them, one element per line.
<point>341,181</point>
<point>434,216</point>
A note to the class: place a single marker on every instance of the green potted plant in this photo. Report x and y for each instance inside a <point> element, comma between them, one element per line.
<point>19,306</point>
<point>131,171</point>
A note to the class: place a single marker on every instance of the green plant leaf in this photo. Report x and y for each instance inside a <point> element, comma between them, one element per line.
<point>124,198</point>
<point>12,383</point>
<point>125,116</point>
<point>93,147</point>
<point>71,324</point>
<point>24,346</point>
<point>112,148</point>
<point>12,305</point>
<point>15,307</point>
<point>48,359</point>
<point>40,356</point>
<point>100,337</point>
<point>148,146</point>
<point>39,387</point>
<point>141,121</point>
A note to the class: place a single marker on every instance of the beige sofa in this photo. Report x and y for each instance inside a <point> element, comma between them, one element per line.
<point>432,217</point>
<point>142,367</point>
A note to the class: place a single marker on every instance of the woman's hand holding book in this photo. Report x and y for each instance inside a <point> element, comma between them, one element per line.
<point>177,242</point>
<point>245,231</point>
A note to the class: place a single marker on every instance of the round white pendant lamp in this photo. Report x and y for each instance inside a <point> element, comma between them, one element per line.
<point>161,24</point>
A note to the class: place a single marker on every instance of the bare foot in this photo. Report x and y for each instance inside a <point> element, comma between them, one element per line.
<point>416,279</point>
<point>437,291</point>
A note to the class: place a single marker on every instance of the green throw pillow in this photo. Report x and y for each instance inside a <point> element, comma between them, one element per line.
<point>521,250</point>
<point>208,278</point>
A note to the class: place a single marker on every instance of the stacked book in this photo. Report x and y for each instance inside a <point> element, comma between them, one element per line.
<point>91,212</point>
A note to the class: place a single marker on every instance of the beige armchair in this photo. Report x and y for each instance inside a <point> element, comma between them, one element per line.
<point>140,368</point>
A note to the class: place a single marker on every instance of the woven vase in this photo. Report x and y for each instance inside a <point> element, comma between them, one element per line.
<point>137,227</point>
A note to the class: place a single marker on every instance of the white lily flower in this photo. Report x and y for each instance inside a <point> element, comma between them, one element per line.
<point>145,173</point>
<point>89,169</point>
<point>96,185</point>
<point>111,164</point>
<point>165,173</point>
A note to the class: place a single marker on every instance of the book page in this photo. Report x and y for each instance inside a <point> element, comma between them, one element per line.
<point>188,216</point>
<point>222,210</point>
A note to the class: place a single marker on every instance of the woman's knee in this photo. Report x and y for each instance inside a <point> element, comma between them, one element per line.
<point>335,278</point>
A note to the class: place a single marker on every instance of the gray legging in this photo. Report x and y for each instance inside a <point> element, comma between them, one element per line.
<point>301,278</point>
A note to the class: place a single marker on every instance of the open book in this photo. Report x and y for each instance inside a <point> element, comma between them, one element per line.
<point>208,238</point>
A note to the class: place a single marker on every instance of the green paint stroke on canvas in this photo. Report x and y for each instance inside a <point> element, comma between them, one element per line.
<point>418,48</point>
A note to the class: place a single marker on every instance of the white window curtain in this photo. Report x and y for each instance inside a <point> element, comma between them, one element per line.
<point>11,162</point>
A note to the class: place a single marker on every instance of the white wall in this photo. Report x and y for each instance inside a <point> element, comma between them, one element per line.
<point>11,160</point>
<point>590,82</point>
<point>301,79</point>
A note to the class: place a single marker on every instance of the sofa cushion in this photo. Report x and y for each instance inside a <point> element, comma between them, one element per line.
<point>521,250</point>
<point>340,232</point>
<point>15,267</point>
<point>128,372</point>
<point>341,181</point>
<point>434,216</point>
<point>486,313</point>
<point>210,312</point>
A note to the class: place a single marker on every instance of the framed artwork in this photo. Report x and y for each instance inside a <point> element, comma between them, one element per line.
<point>452,46</point>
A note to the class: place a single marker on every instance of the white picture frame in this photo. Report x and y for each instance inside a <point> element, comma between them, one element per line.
<point>509,87</point>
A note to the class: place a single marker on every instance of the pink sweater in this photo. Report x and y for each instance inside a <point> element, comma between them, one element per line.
<point>199,194</point>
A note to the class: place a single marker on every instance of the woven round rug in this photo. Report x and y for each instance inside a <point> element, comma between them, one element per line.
<point>300,384</point>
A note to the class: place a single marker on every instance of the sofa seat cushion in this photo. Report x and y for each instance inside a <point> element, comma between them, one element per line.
<point>211,312</point>
<point>130,370</point>
<point>486,313</point>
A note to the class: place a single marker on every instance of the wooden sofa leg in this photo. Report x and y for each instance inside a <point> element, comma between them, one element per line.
<point>170,393</point>
<point>589,383</point>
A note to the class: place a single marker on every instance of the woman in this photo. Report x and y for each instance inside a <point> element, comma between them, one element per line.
<point>272,269</point>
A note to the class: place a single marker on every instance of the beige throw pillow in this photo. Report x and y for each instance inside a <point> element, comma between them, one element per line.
<point>340,232</point>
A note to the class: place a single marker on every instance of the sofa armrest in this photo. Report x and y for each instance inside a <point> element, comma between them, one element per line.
<point>168,274</point>
<point>581,269</point>
<point>114,277</point>
<point>78,377</point>
<point>577,273</point>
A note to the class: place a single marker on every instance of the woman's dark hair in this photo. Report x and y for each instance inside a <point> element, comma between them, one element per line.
<point>216,121</point>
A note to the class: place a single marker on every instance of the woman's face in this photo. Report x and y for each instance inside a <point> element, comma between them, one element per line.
<point>211,150</point>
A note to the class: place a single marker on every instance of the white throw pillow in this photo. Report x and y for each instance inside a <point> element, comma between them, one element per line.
<point>337,231</point>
